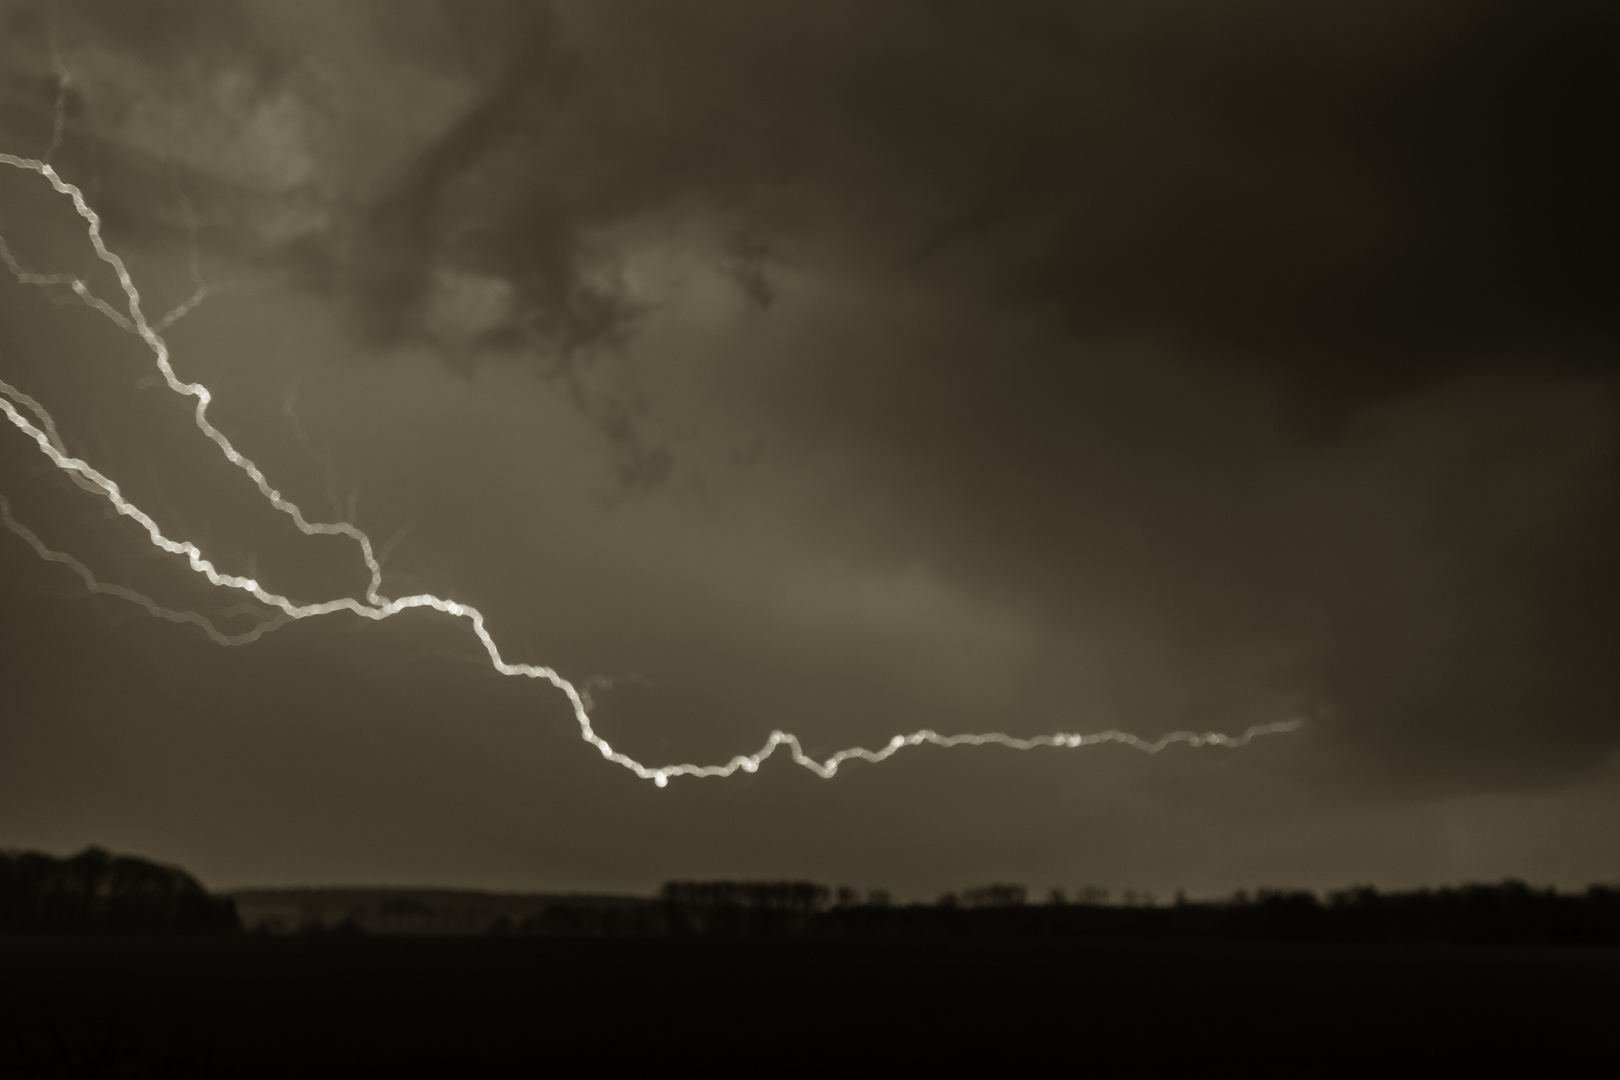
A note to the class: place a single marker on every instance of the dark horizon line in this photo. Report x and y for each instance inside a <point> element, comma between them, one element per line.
<point>1093,895</point>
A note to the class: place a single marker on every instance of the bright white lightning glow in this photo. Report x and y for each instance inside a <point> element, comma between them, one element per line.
<point>38,425</point>
<point>151,606</point>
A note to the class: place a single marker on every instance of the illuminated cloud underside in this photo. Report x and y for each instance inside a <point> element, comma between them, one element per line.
<point>31,418</point>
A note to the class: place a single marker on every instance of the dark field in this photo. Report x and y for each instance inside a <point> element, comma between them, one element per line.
<point>324,1005</point>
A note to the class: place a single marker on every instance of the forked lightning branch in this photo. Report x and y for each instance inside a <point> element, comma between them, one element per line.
<point>125,311</point>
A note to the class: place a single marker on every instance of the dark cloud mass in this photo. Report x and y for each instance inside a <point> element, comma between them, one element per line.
<point>866,366</point>
<point>1357,198</point>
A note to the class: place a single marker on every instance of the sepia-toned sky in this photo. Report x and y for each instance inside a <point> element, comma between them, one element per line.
<point>844,368</point>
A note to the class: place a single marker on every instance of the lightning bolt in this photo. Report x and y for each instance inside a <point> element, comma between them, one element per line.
<point>31,418</point>
<point>59,114</point>
<point>151,606</point>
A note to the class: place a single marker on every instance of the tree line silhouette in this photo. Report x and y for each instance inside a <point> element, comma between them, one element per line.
<point>95,891</point>
<point>1507,913</point>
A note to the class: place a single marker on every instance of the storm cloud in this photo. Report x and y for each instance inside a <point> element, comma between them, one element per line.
<point>1159,365</point>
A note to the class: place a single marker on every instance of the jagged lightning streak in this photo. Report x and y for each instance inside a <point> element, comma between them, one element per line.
<point>40,427</point>
<point>59,115</point>
<point>152,607</point>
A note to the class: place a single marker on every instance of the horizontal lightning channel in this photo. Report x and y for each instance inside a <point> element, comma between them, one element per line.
<point>40,427</point>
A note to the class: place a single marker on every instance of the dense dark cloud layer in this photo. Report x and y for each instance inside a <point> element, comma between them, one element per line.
<point>1161,364</point>
<point>1356,198</point>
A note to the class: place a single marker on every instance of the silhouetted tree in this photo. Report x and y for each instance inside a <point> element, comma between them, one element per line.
<point>96,891</point>
<point>797,896</point>
<point>995,896</point>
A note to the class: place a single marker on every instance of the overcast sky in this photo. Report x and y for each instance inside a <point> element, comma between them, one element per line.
<point>845,368</point>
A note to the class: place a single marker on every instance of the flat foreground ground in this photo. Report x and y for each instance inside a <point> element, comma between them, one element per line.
<point>287,1007</point>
